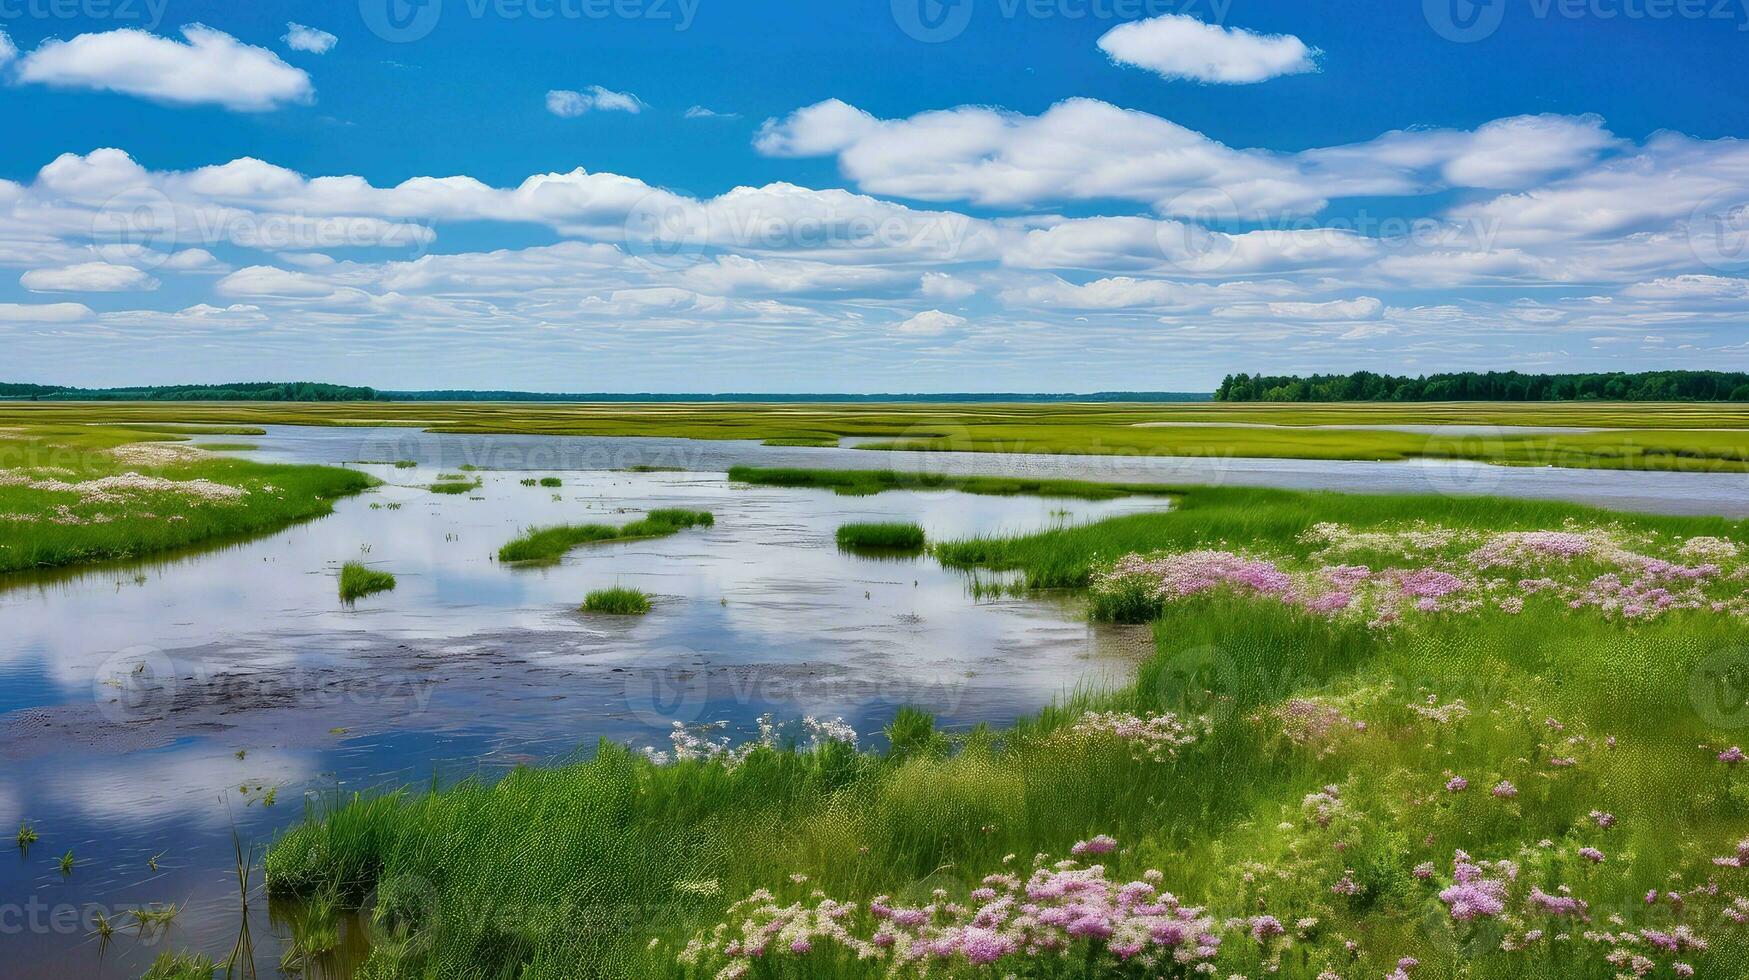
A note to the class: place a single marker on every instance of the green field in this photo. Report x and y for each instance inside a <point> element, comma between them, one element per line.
<point>1488,762</point>
<point>1659,436</point>
<point>73,494</point>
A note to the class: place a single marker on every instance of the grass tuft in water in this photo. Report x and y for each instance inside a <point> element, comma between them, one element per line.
<point>551,481</point>
<point>172,965</point>
<point>883,536</point>
<point>358,579</point>
<point>455,485</point>
<point>26,835</point>
<point>549,543</point>
<point>617,601</point>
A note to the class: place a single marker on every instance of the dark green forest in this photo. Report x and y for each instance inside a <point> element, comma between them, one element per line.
<point>1493,386</point>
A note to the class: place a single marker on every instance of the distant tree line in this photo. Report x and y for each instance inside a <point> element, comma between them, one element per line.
<point>1501,386</point>
<point>254,391</point>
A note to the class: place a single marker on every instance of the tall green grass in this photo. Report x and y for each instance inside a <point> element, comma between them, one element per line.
<point>549,543</point>
<point>889,536</point>
<point>617,601</point>
<point>358,580</point>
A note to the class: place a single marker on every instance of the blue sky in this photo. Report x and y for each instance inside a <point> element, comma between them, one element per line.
<point>1031,194</point>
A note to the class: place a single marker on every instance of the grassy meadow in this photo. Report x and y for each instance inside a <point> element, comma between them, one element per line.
<point>1495,763</point>
<point>1701,437</point>
<point>73,494</point>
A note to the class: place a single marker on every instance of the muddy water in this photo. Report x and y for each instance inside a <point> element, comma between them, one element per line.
<point>149,711</point>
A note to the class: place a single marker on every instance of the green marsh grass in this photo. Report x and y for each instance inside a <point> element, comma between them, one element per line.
<point>853,483</point>
<point>883,536</point>
<point>51,527</point>
<point>1655,436</point>
<point>26,835</point>
<point>550,543</point>
<point>454,487</point>
<point>172,965</point>
<point>617,601</point>
<point>667,848</point>
<point>551,481</point>
<point>358,579</point>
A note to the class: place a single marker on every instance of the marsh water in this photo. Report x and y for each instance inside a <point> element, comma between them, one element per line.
<point>159,713</point>
<point>148,711</point>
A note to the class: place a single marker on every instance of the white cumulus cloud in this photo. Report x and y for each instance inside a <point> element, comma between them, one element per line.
<point>1179,46</point>
<point>87,277</point>
<point>310,39</point>
<point>930,323</point>
<point>44,312</point>
<point>213,68</point>
<point>568,104</point>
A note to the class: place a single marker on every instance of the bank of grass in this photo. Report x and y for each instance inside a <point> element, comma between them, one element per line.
<point>881,536</point>
<point>608,867</point>
<point>1658,436</point>
<point>549,543</point>
<point>358,579</point>
<point>52,514</point>
<point>1273,520</point>
<point>852,483</point>
<point>617,601</point>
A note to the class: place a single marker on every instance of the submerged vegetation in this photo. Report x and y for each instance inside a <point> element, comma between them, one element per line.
<point>888,536</point>
<point>1439,777</point>
<point>549,543</point>
<point>358,580</point>
<point>81,493</point>
<point>454,483</point>
<point>617,601</point>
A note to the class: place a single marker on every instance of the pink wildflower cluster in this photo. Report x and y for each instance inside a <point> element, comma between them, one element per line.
<point>1187,573</point>
<point>1158,737</point>
<point>1312,722</point>
<point>1059,909</point>
<point>1472,894</point>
